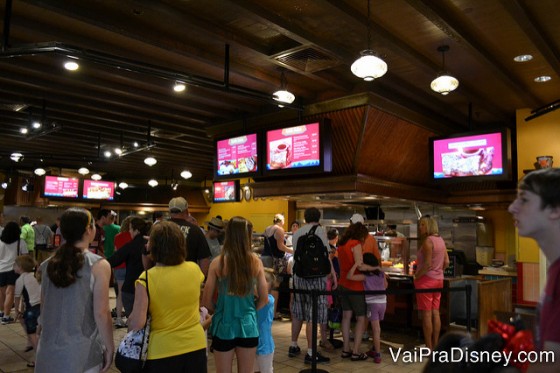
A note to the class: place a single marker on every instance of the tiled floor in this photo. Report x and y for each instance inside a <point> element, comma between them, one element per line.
<point>13,359</point>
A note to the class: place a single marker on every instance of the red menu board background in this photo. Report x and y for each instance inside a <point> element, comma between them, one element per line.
<point>224,191</point>
<point>293,147</point>
<point>56,186</point>
<point>99,189</point>
<point>237,155</point>
<point>468,156</point>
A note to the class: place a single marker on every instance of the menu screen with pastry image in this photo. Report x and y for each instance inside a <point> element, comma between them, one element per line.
<point>237,155</point>
<point>464,156</point>
<point>293,147</point>
<point>99,189</point>
<point>56,186</point>
<point>226,191</point>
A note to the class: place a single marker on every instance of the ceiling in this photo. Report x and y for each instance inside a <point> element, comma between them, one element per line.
<point>232,52</point>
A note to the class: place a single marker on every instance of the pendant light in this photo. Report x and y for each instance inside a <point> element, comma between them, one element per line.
<point>369,66</point>
<point>444,83</point>
<point>283,96</point>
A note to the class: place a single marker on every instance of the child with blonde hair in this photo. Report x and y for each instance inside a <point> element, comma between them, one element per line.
<point>265,316</point>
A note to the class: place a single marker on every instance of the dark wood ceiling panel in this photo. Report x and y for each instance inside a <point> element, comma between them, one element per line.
<point>147,45</point>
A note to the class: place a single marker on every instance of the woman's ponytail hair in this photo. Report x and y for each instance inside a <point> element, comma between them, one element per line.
<point>63,267</point>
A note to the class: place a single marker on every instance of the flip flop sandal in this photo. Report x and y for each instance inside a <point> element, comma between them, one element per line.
<point>346,354</point>
<point>359,357</point>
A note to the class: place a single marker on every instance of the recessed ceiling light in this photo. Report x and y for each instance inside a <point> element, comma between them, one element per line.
<point>36,125</point>
<point>71,65</point>
<point>107,154</point>
<point>4,185</point>
<point>186,174</point>
<point>179,86</point>
<point>523,58</point>
<point>16,157</point>
<point>150,161</point>
<point>135,144</point>
<point>153,183</point>
<point>83,171</point>
<point>542,79</point>
<point>23,130</point>
<point>96,177</point>
<point>40,171</point>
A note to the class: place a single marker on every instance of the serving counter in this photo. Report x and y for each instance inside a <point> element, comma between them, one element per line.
<point>487,297</point>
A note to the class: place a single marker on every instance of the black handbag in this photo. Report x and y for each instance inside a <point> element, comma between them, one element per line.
<point>133,350</point>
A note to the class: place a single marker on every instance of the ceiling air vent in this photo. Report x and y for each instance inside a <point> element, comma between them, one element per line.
<point>307,59</point>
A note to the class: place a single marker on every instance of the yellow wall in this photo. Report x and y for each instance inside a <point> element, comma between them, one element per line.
<point>540,136</point>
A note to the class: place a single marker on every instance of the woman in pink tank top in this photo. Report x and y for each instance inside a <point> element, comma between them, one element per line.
<point>432,259</point>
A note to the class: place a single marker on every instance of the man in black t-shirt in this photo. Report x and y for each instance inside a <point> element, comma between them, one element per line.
<point>197,246</point>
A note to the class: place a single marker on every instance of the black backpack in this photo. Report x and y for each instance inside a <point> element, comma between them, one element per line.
<point>311,258</point>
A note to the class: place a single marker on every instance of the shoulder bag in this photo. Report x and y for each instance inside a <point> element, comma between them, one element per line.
<point>133,349</point>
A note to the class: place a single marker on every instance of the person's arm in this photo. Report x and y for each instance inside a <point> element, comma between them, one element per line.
<point>137,318</point>
<point>210,285</point>
<point>357,253</point>
<point>352,275</point>
<point>262,286</point>
<point>446,260</point>
<point>279,236</point>
<point>334,278</point>
<point>428,248</point>
<point>121,255</point>
<point>101,272</point>
<point>204,265</point>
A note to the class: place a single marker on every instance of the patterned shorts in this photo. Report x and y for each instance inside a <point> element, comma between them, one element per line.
<point>302,305</point>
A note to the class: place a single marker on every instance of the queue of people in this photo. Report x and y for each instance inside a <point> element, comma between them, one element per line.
<point>68,322</point>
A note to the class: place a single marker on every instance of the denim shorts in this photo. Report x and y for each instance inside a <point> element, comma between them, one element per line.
<point>30,317</point>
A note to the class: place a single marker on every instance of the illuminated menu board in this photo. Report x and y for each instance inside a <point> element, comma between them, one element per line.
<point>226,191</point>
<point>56,186</point>
<point>237,155</point>
<point>99,189</point>
<point>293,147</point>
<point>476,155</point>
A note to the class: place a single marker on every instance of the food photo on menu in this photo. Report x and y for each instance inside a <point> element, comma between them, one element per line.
<point>293,147</point>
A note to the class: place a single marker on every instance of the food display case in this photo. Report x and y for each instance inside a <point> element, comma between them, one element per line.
<point>395,254</point>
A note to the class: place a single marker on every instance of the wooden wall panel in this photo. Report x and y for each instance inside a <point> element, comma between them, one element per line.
<point>394,150</point>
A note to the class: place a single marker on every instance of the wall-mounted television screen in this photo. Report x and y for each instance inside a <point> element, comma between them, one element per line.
<point>304,148</point>
<point>226,191</point>
<point>98,189</point>
<point>237,156</point>
<point>472,156</point>
<point>58,186</point>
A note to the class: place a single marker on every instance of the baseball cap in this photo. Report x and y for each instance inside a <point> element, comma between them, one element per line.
<point>357,218</point>
<point>178,204</point>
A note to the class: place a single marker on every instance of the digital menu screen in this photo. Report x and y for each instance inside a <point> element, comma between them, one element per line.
<point>226,191</point>
<point>293,147</point>
<point>237,155</point>
<point>56,186</point>
<point>464,156</point>
<point>99,189</point>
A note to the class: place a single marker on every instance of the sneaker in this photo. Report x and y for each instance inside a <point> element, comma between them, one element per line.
<point>318,358</point>
<point>7,320</point>
<point>293,351</point>
<point>377,358</point>
<point>1,314</point>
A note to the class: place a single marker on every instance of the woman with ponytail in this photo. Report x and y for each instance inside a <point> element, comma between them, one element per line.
<point>75,326</point>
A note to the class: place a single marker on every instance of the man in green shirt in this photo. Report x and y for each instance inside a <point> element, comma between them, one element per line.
<point>111,229</point>
<point>27,234</point>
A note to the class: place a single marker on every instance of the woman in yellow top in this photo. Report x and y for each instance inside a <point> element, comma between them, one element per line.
<point>177,340</point>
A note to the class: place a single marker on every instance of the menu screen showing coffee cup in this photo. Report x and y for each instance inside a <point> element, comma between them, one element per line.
<point>237,155</point>
<point>61,187</point>
<point>99,189</point>
<point>293,147</point>
<point>476,155</point>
